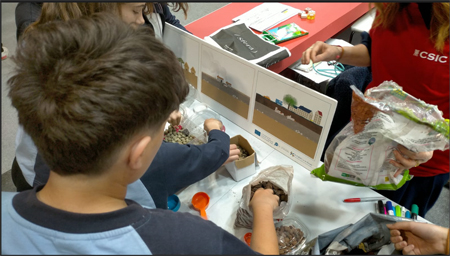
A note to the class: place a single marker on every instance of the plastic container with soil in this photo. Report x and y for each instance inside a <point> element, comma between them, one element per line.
<point>292,234</point>
<point>186,132</point>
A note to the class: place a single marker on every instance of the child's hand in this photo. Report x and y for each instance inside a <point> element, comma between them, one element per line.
<point>212,124</point>
<point>264,199</point>
<point>234,154</point>
<point>175,118</point>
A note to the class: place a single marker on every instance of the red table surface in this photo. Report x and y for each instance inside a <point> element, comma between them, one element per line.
<point>331,18</point>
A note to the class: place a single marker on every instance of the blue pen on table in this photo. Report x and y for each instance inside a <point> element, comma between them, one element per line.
<point>389,208</point>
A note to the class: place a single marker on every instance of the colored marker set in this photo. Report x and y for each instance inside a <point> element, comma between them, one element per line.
<point>388,209</point>
<point>398,210</point>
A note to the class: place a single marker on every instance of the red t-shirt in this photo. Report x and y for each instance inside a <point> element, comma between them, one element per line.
<point>407,56</point>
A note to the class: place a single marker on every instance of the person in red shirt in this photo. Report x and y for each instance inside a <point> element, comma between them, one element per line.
<point>408,44</point>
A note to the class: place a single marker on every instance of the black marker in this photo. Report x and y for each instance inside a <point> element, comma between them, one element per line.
<point>380,207</point>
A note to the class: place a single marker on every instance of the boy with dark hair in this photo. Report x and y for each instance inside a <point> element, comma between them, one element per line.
<point>183,164</point>
<point>94,95</point>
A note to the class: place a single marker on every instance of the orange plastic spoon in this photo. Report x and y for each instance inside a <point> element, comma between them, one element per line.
<point>200,201</point>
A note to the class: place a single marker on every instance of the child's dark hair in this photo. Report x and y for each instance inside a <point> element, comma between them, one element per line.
<point>84,87</point>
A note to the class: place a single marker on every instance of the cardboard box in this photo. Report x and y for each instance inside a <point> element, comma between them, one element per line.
<point>241,169</point>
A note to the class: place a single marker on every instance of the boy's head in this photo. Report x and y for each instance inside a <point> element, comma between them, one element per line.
<point>86,88</point>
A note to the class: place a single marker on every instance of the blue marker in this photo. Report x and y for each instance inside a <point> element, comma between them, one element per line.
<point>389,208</point>
<point>408,214</point>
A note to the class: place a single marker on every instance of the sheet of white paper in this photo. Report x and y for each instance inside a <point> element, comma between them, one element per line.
<point>266,15</point>
<point>314,76</point>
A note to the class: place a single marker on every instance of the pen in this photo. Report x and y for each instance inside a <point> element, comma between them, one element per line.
<point>389,208</point>
<point>414,211</point>
<point>398,211</point>
<point>408,214</point>
<point>380,207</point>
<point>363,199</point>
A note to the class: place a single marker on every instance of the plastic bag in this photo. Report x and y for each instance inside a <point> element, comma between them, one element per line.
<point>292,235</point>
<point>367,236</point>
<point>280,176</point>
<point>238,39</point>
<point>381,119</point>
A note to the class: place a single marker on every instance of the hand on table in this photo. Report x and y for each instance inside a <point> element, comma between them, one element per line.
<point>406,159</point>
<point>175,118</point>
<point>320,51</point>
<point>415,238</point>
<point>234,154</point>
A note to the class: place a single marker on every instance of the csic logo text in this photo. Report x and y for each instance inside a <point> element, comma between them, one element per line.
<point>430,56</point>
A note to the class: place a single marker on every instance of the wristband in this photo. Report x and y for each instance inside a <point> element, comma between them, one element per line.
<point>338,57</point>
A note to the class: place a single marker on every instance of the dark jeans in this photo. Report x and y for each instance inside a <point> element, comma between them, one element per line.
<point>18,178</point>
<point>423,191</point>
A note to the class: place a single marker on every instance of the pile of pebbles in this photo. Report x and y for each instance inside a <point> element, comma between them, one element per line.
<point>177,135</point>
<point>276,190</point>
<point>289,237</point>
<point>243,154</point>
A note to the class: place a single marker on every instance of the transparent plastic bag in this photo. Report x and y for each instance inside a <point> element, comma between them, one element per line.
<point>280,176</point>
<point>191,133</point>
<point>292,235</point>
<point>381,119</point>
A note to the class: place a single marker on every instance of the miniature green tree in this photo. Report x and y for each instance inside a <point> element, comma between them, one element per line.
<point>289,100</point>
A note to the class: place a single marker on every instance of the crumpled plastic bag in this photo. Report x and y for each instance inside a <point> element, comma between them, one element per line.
<point>368,235</point>
<point>382,118</point>
<point>280,176</point>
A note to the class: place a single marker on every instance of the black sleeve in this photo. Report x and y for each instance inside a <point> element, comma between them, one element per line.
<point>171,19</point>
<point>173,233</point>
<point>25,14</point>
<point>176,166</point>
<point>367,41</point>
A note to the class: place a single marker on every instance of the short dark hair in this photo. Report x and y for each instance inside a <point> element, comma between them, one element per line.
<point>84,87</point>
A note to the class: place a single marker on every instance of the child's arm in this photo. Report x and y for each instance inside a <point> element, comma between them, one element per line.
<point>171,19</point>
<point>264,236</point>
<point>176,166</point>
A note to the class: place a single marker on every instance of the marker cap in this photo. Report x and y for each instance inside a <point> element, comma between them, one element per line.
<point>415,209</point>
<point>389,208</point>
<point>408,214</point>
<point>380,207</point>
<point>398,211</point>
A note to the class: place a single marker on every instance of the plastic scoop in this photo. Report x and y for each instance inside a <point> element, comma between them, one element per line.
<point>200,201</point>
<point>248,238</point>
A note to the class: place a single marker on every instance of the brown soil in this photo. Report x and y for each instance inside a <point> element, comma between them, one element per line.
<point>243,154</point>
<point>276,190</point>
<point>362,113</point>
<point>289,237</point>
